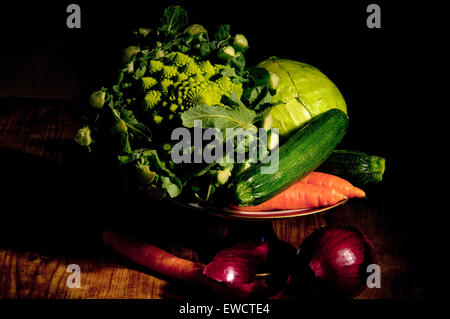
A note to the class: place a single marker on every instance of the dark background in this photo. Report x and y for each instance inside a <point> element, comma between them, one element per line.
<point>382,73</point>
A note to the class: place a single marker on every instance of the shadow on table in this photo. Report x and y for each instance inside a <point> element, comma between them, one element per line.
<point>56,208</point>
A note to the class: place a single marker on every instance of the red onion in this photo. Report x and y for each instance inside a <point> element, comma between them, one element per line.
<point>262,266</point>
<point>238,264</point>
<point>332,262</point>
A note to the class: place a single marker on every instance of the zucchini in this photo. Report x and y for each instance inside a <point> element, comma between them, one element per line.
<point>355,166</point>
<point>302,153</point>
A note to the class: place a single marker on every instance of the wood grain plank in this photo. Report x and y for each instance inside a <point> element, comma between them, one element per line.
<point>36,140</point>
<point>28,275</point>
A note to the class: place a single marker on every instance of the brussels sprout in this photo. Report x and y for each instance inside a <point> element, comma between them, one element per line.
<point>223,176</point>
<point>128,54</point>
<point>227,53</point>
<point>302,92</point>
<point>159,54</point>
<point>97,99</point>
<point>83,137</point>
<point>195,29</point>
<point>130,67</point>
<point>144,31</point>
<point>119,127</point>
<point>240,42</point>
<point>144,175</point>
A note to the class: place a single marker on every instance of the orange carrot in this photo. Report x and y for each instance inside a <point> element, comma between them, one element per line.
<point>299,195</point>
<point>152,257</point>
<point>332,181</point>
<point>172,267</point>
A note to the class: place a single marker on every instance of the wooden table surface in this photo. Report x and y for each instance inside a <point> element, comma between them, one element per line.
<point>56,202</point>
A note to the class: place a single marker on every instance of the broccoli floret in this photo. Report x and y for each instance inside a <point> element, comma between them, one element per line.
<point>180,59</point>
<point>157,119</point>
<point>169,71</point>
<point>218,68</point>
<point>181,81</point>
<point>191,68</point>
<point>181,77</point>
<point>207,69</point>
<point>148,82</point>
<point>165,85</point>
<point>155,66</point>
<point>227,87</point>
<point>152,98</point>
<point>201,93</point>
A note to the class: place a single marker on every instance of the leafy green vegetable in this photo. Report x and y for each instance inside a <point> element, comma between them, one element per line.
<point>173,19</point>
<point>302,92</point>
<point>173,75</point>
<point>222,33</point>
<point>220,117</point>
<point>173,189</point>
<point>138,128</point>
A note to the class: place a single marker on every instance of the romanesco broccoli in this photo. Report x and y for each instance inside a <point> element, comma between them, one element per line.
<point>180,81</point>
<point>155,66</point>
<point>169,71</point>
<point>152,98</point>
<point>148,82</point>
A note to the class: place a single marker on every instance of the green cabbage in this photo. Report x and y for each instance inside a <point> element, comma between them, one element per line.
<point>302,92</point>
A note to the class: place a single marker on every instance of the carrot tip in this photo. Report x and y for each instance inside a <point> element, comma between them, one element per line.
<point>359,193</point>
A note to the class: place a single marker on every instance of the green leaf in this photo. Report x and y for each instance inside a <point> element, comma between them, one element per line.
<point>116,88</point>
<point>220,117</point>
<point>238,62</point>
<point>124,159</point>
<point>205,49</point>
<point>137,128</point>
<point>139,73</point>
<point>259,76</point>
<point>264,99</point>
<point>231,73</point>
<point>171,188</point>
<point>257,97</point>
<point>120,78</point>
<point>173,19</point>
<point>222,33</point>
<point>170,182</point>
<point>124,143</point>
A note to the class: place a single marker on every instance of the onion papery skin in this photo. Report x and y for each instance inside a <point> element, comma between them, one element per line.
<point>264,264</point>
<point>332,263</point>
<point>239,263</point>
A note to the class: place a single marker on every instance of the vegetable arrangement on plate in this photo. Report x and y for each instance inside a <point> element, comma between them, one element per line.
<point>180,81</point>
<point>272,132</point>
